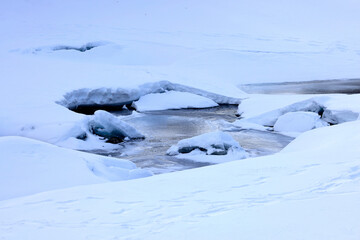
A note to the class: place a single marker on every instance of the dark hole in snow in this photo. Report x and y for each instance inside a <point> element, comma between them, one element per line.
<point>190,149</point>
<point>83,48</point>
<point>115,140</point>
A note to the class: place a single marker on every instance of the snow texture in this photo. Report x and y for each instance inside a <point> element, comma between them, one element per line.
<point>310,190</point>
<point>28,166</point>
<point>213,143</point>
<point>172,100</point>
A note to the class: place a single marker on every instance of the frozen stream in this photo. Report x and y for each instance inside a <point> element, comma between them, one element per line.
<point>165,128</point>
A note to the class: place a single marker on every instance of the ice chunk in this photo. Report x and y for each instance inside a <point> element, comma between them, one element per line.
<point>108,126</point>
<point>213,143</point>
<point>299,122</point>
<point>172,100</point>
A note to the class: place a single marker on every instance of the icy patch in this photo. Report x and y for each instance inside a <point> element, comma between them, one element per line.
<point>172,100</point>
<point>28,166</point>
<point>106,125</point>
<point>214,143</point>
<point>298,122</point>
<point>88,100</point>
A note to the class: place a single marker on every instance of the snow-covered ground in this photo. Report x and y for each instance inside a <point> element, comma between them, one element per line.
<point>60,54</point>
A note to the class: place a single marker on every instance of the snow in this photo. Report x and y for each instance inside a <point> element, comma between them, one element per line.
<point>172,100</point>
<point>308,190</point>
<point>212,143</point>
<point>28,166</point>
<point>299,122</point>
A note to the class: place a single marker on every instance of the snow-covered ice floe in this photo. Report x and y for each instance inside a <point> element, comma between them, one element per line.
<point>96,131</point>
<point>300,116</point>
<point>122,96</point>
<point>106,125</point>
<point>172,100</point>
<point>213,143</point>
<point>28,166</point>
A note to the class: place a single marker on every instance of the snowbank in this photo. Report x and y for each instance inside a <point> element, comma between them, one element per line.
<point>213,143</point>
<point>172,100</point>
<point>29,166</point>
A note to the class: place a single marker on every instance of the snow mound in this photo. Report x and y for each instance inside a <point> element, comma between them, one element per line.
<point>106,125</point>
<point>172,100</point>
<point>123,96</point>
<point>298,122</point>
<point>213,143</point>
<point>29,166</point>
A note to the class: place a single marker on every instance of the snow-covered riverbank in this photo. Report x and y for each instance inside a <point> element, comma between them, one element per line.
<point>309,189</point>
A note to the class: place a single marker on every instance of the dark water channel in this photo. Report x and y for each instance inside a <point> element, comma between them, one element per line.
<point>347,86</point>
<point>165,128</point>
